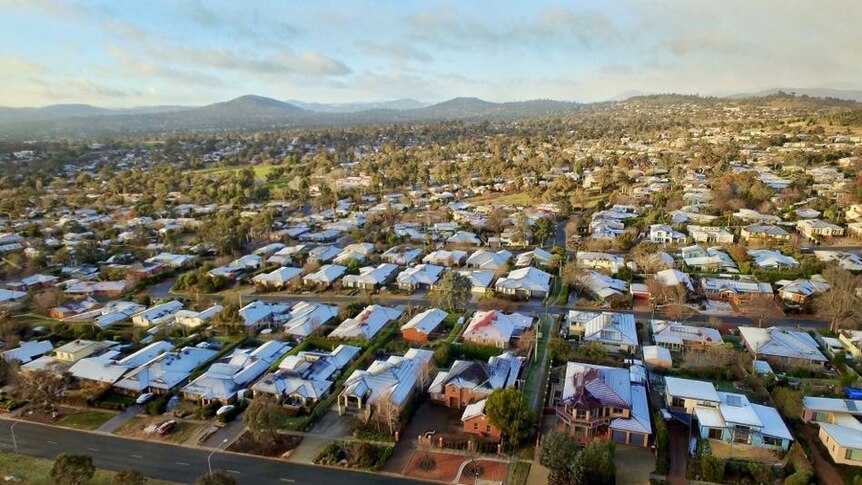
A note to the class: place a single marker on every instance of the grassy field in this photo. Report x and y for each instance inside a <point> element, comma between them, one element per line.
<point>86,420</point>
<point>37,471</point>
<point>134,428</point>
<point>260,171</point>
<point>518,198</point>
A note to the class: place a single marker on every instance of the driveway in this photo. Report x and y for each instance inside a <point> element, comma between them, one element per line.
<point>330,427</point>
<point>678,438</point>
<point>428,417</point>
<point>634,464</point>
<point>120,419</point>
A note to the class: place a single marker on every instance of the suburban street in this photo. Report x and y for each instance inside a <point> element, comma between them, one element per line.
<point>168,462</point>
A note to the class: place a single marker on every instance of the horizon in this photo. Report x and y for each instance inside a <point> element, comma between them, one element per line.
<point>126,55</point>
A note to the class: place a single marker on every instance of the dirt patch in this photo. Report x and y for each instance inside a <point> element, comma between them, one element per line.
<point>283,445</point>
<point>142,427</point>
<point>489,471</point>
<point>445,466</point>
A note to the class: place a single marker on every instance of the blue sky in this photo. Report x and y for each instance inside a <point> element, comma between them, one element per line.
<point>131,53</point>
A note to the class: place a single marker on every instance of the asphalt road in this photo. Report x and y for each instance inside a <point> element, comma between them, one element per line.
<point>175,463</point>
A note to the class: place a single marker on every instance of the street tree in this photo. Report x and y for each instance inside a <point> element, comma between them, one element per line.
<point>72,469</point>
<point>129,477</point>
<point>508,410</point>
<point>595,464</point>
<point>217,477</point>
<point>840,304</point>
<point>559,451</point>
<point>264,417</point>
<point>453,292</point>
<point>41,387</point>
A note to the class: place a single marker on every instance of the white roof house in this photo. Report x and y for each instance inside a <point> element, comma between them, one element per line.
<point>595,260</point>
<point>256,314</point>
<point>489,260</point>
<point>426,322</point>
<point>442,257</point>
<point>107,368</point>
<point>172,260</point>
<point>664,234</point>
<point>496,328</point>
<point>537,255</point>
<point>306,377</point>
<point>602,286</point>
<point>367,323</point>
<point>771,259</point>
<point>392,380</point>
<point>710,234</point>
<point>782,344</point>
<point>306,317</point>
<point>615,331</point>
<point>166,371</point>
<point>847,260</point>
<point>464,237</point>
<point>358,252</point>
<point>370,276</point>
<point>223,379</point>
<point>656,356</point>
<point>27,351</point>
<point>158,314</point>
<point>277,278</point>
<point>8,297</point>
<point>674,277</point>
<point>323,254</point>
<point>419,276</point>
<point>192,319</point>
<point>527,281</point>
<point>678,336</point>
<point>401,256</point>
<point>480,281</point>
<point>326,275</point>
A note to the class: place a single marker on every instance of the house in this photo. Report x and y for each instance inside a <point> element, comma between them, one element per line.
<point>194,319</point>
<point>615,331</point>
<point>166,372</point>
<point>800,291</point>
<point>222,380</point>
<point>771,259</point>
<point>489,260</point>
<point>358,252</point>
<point>480,281</point>
<point>475,421</point>
<point>526,282</point>
<point>495,328</point>
<point>600,261</point>
<point>602,287</point>
<point>763,232</point>
<point>467,382</point>
<point>750,215</point>
<point>674,277</point>
<point>840,428</point>
<point>367,323</point>
<point>782,346</point>
<point>657,357</point>
<point>851,340</point>
<point>846,260</point>
<point>371,277</point>
<point>256,315</point>
<point>302,380</point>
<point>66,355</point>
<point>536,257</point>
<point>708,260</point>
<point>108,368</point>
<point>664,234</point>
<point>25,352</point>
<point>464,237</point>
<point>442,257</point>
<point>323,254</point>
<point>710,234</point>
<point>73,308</point>
<point>725,416</point>
<point>98,289</point>
<point>173,260</point>
<point>387,385</point>
<point>733,290</point>
<point>158,314</point>
<point>278,279</point>
<point>33,282</point>
<point>288,254</point>
<point>815,228</point>
<point>600,402</point>
<point>423,324</point>
<point>325,276</point>
<point>421,276</point>
<point>401,256</point>
<point>247,262</point>
<point>306,317</point>
<point>678,337</point>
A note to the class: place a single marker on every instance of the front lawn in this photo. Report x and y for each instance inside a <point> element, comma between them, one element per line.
<point>86,420</point>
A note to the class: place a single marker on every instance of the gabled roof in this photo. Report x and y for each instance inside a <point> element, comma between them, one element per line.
<point>496,325</point>
<point>782,342</point>
<point>529,278</point>
<point>427,321</point>
<point>367,323</point>
<point>480,377</point>
<point>691,389</point>
<point>591,386</point>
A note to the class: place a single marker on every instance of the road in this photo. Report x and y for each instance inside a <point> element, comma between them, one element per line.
<point>175,463</point>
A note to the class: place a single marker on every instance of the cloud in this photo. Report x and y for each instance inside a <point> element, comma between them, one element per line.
<point>397,53</point>
<point>12,66</point>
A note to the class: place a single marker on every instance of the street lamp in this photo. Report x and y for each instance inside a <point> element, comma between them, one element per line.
<point>14,441</point>
<point>209,457</point>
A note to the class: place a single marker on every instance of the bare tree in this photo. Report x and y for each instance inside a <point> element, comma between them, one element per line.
<point>840,304</point>
<point>41,387</point>
<point>763,310</point>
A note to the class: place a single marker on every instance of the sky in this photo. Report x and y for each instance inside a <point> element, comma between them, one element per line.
<point>119,53</point>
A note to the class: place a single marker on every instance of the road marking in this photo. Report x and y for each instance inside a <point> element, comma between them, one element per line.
<point>52,442</point>
<point>233,471</point>
<point>288,480</point>
<point>138,457</point>
<point>93,449</point>
<point>183,464</point>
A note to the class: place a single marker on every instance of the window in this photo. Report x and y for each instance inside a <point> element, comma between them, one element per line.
<point>677,402</point>
<point>581,414</point>
<point>475,426</point>
<point>855,455</point>
<point>488,428</point>
<point>714,434</point>
<point>771,441</point>
<point>618,410</point>
<point>820,417</point>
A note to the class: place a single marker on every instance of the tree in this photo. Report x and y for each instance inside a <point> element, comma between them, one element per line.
<point>543,230</point>
<point>762,309</point>
<point>72,469</point>
<point>594,465</point>
<point>41,388</point>
<point>217,477</point>
<point>453,292</point>
<point>712,469</point>
<point>508,410</point>
<point>662,445</point>
<point>840,303</point>
<point>129,477</point>
<point>559,451</point>
<point>263,418</point>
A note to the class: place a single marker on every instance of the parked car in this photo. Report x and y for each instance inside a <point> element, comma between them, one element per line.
<point>145,398</point>
<point>225,409</point>
<point>166,427</point>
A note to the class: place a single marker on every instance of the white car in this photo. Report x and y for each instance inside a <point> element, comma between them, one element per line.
<point>225,409</point>
<point>145,398</point>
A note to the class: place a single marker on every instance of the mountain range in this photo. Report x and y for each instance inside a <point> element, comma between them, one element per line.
<point>258,112</point>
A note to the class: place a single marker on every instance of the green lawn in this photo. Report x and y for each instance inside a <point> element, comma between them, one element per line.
<point>37,471</point>
<point>86,420</point>
<point>547,328</point>
<point>260,171</point>
<point>518,198</point>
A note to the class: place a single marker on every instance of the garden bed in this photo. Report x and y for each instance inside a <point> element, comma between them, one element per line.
<point>359,455</point>
<point>282,445</point>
